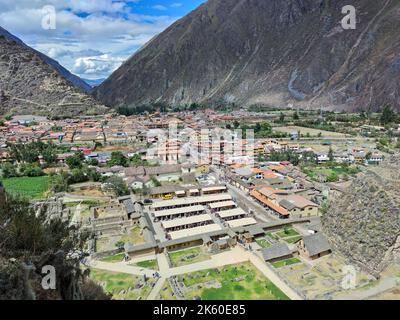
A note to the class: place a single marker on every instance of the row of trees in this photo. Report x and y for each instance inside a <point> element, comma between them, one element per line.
<point>30,152</point>
<point>9,170</point>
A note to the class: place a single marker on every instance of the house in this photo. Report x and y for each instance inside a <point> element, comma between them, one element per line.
<point>165,173</point>
<point>314,246</point>
<point>139,182</point>
<point>160,192</point>
<point>375,158</point>
<point>298,206</point>
<point>268,197</point>
<point>322,158</point>
<point>276,252</point>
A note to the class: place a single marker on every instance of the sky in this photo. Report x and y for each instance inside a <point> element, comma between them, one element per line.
<point>91,38</point>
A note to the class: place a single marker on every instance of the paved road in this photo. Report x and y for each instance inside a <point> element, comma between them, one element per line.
<point>156,289</point>
<point>122,267</point>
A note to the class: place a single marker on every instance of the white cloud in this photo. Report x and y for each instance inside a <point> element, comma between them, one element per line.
<point>159,7</point>
<point>98,66</point>
<point>176,5</point>
<point>107,29</point>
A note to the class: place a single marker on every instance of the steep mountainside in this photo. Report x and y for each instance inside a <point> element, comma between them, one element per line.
<point>272,52</point>
<point>31,82</point>
<point>364,224</point>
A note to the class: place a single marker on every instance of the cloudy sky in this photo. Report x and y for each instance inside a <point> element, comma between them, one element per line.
<point>91,37</point>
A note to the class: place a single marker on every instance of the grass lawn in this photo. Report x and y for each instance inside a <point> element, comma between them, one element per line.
<point>28,187</point>
<point>115,258</point>
<point>187,256</point>
<point>292,239</point>
<point>237,282</point>
<point>115,283</point>
<point>264,243</point>
<point>272,236</point>
<point>287,233</point>
<point>148,264</point>
<point>286,262</point>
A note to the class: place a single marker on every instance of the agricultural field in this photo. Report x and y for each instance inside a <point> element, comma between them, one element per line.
<point>330,174</point>
<point>187,256</point>
<point>236,282</point>
<point>312,132</point>
<point>123,286</point>
<point>28,187</point>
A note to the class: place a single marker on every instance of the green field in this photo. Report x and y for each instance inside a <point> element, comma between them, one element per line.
<point>115,258</point>
<point>286,262</point>
<point>122,286</point>
<point>264,243</point>
<point>236,282</point>
<point>148,264</point>
<point>287,233</point>
<point>187,256</point>
<point>332,174</point>
<point>291,240</point>
<point>28,187</point>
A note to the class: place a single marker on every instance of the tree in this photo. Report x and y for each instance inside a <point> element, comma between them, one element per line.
<point>296,115</point>
<point>331,155</point>
<point>156,182</point>
<point>30,240</point>
<point>118,159</point>
<point>59,182</point>
<point>282,117</point>
<point>236,124</point>
<point>31,170</point>
<point>333,177</point>
<point>117,185</point>
<point>8,170</point>
<point>76,160</point>
<point>387,116</point>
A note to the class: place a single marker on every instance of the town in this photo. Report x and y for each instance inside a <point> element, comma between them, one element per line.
<point>201,204</point>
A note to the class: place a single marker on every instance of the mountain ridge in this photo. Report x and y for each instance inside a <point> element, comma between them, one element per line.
<point>32,83</point>
<point>275,53</point>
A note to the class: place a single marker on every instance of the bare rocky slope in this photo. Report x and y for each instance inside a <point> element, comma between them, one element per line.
<point>32,83</point>
<point>364,224</point>
<point>271,52</point>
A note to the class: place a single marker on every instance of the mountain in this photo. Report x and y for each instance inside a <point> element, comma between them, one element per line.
<point>268,52</point>
<point>31,82</point>
<point>364,223</point>
<point>94,82</point>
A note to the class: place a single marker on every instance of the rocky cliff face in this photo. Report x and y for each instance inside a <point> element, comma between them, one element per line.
<point>30,83</point>
<point>364,224</point>
<point>272,52</point>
